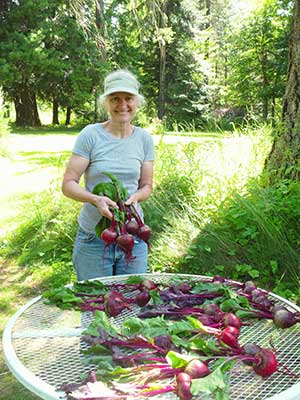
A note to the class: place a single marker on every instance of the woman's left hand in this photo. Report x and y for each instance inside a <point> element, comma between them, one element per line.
<point>131,200</point>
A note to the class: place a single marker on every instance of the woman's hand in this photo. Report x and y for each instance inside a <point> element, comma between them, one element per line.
<point>132,200</point>
<point>103,204</point>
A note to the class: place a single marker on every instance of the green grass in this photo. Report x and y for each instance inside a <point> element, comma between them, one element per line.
<point>46,159</point>
<point>210,213</point>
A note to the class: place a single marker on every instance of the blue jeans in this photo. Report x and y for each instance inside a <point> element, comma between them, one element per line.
<point>93,260</point>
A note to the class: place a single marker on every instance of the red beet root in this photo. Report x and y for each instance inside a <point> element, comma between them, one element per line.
<point>146,284</point>
<point>132,227</point>
<point>229,339</point>
<point>232,320</point>
<point>183,387</point>
<point>232,330</point>
<point>125,242</point>
<point>266,364</point>
<point>142,298</point>
<point>144,233</point>
<point>114,303</point>
<point>197,369</point>
<point>109,236</point>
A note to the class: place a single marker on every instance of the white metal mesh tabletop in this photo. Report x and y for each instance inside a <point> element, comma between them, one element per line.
<point>42,346</point>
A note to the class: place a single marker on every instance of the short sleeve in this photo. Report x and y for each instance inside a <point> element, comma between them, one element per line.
<point>84,143</point>
<point>149,148</point>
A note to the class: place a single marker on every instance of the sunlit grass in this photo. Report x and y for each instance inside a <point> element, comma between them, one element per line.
<point>189,191</point>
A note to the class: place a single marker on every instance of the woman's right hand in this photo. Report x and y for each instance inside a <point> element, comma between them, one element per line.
<point>103,203</point>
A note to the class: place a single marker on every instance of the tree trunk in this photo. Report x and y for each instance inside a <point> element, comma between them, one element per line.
<point>101,40</point>
<point>162,82</point>
<point>55,120</point>
<point>100,23</point>
<point>162,63</point>
<point>207,26</point>
<point>26,107</point>
<point>68,116</point>
<point>284,158</point>
<point>265,110</point>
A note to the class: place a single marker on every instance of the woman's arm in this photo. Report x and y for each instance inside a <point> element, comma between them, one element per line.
<point>145,184</point>
<point>71,187</point>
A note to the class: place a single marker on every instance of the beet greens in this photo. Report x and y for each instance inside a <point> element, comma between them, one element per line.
<point>139,361</point>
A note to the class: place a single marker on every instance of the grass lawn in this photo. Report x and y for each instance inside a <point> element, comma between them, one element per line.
<point>30,165</point>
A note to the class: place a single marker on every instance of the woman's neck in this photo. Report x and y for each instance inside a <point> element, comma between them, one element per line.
<point>117,129</point>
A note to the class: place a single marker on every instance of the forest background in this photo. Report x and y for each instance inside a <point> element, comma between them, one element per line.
<point>221,84</point>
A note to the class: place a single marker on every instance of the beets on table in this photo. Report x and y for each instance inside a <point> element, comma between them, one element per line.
<point>183,386</point>
<point>115,303</point>
<point>197,369</point>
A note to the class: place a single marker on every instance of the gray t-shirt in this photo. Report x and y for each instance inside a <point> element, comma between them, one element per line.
<point>120,157</point>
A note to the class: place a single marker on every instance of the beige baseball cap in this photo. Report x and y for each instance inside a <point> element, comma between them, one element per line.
<point>121,81</point>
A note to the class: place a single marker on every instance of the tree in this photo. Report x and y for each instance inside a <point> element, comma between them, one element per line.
<point>71,70</point>
<point>258,63</point>
<point>284,158</point>
<point>20,49</point>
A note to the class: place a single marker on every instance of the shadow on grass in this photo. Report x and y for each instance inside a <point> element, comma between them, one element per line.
<point>45,130</point>
<point>46,159</point>
<point>253,237</point>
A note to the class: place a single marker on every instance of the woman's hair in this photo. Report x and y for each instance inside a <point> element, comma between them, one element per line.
<point>122,80</point>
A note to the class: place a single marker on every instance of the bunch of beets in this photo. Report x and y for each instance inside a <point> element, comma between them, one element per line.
<point>126,221</point>
<point>122,230</point>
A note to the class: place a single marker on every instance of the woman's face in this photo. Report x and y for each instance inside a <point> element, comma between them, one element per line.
<point>122,106</point>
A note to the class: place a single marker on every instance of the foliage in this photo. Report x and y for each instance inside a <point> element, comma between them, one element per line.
<point>257,80</point>
<point>42,58</point>
<point>187,55</point>
<point>253,237</point>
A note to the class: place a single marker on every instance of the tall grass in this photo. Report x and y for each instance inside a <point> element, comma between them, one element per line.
<point>208,212</point>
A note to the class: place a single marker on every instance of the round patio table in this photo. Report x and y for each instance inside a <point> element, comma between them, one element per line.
<point>42,345</point>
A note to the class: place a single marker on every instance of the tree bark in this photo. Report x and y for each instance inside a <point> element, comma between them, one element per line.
<point>284,158</point>
<point>55,120</point>
<point>162,64</point>
<point>162,82</point>
<point>100,23</point>
<point>101,40</point>
<point>26,107</point>
<point>68,116</point>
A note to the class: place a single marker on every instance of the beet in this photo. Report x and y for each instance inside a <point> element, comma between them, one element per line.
<point>232,330</point>
<point>147,284</point>
<point>132,227</point>
<point>197,369</point>
<point>250,349</point>
<point>232,320</point>
<point>284,318</point>
<point>114,303</point>
<point>125,242</point>
<point>184,287</point>
<point>109,236</point>
<point>183,386</point>
<point>218,279</point>
<point>142,298</point>
<point>164,342</point>
<point>144,233</point>
<point>266,363</point>
<point>211,309</point>
<point>229,339</point>
<point>249,287</point>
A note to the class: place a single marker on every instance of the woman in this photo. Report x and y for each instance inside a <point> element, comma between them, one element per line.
<point>124,150</point>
